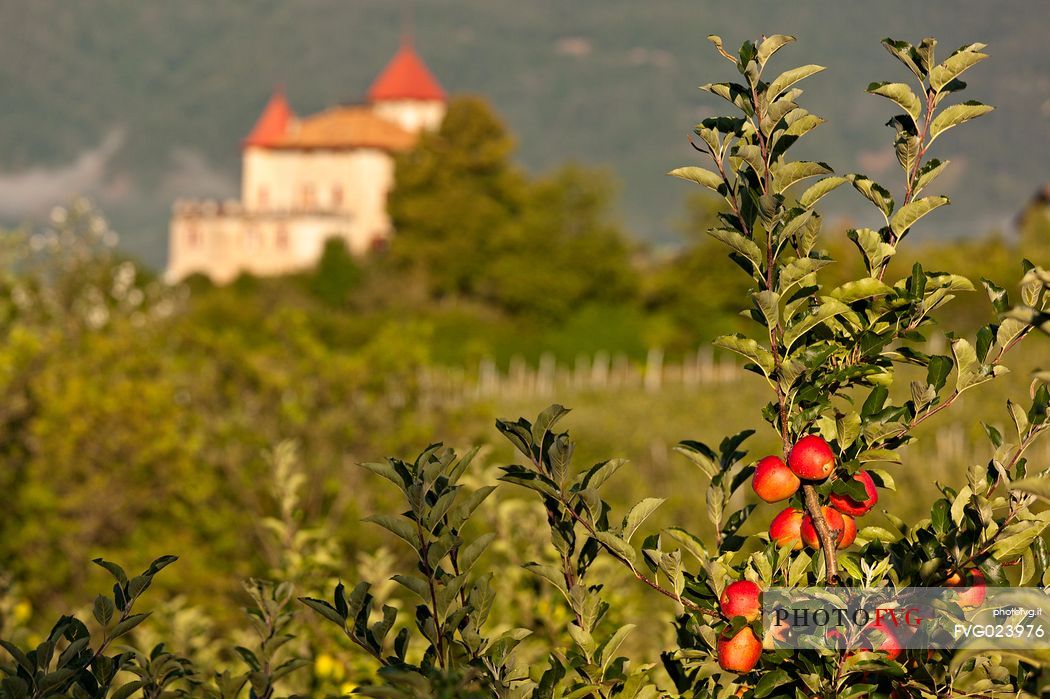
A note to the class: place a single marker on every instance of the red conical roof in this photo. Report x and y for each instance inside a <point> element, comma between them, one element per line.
<point>273,124</point>
<point>406,77</point>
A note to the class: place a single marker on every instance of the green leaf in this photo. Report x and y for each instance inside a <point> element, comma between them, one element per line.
<point>866,288</point>
<point>941,516</point>
<point>546,421</point>
<point>770,45</point>
<point>787,174</point>
<point>955,65</point>
<point>752,155</point>
<point>324,609</point>
<point>601,472</point>
<point>1037,486</point>
<point>968,367</point>
<point>962,499</point>
<point>873,192</point>
<point>748,348</point>
<point>469,554</point>
<point>875,250</point>
<point>829,308</point>
<point>701,176</point>
<point>1018,537</point>
<point>116,571</point>
<point>550,574</point>
<point>906,147</point>
<point>400,525</point>
<point>770,681</point>
<point>902,51</point>
<point>127,625</point>
<point>819,189</point>
<point>768,303</point>
<point>799,269</point>
<point>103,609</point>
<point>924,52</point>
<point>128,689</point>
<point>739,243</point>
<point>956,114</point>
<point>882,479</point>
<point>879,455</point>
<point>19,656</point>
<point>690,542</point>
<point>638,514</point>
<point>900,94</point>
<point>937,370</point>
<point>797,569</point>
<point>619,547</point>
<point>878,534</point>
<point>799,123</point>
<point>387,471</point>
<point>928,173</point>
<point>415,584</point>
<point>777,112</point>
<point>908,214</point>
<point>789,78</point>
<point>608,650</point>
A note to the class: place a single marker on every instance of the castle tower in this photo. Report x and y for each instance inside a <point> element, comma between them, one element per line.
<point>272,126</point>
<point>408,93</point>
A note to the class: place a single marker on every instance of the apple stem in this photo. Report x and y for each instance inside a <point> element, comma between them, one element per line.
<point>827,539</point>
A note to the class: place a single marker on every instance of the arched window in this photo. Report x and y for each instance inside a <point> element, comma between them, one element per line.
<point>263,198</point>
<point>337,196</point>
<point>281,237</point>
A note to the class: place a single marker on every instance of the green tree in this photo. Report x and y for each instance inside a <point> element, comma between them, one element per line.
<point>337,274</point>
<point>454,196</point>
<point>563,251</point>
<point>476,226</point>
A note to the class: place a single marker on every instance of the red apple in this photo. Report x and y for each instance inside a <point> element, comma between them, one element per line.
<point>848,506</point>
<point>849,532</point>
<point>742,598</point>
<point>889,643</point>
<point>773,480</point>
<point>785,528</point>
<point>739,653</point>
<point>811,458</point>
<point>809,532</point>
<point>973,587</point>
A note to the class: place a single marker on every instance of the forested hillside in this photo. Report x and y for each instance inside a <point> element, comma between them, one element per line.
<point>139,103</point>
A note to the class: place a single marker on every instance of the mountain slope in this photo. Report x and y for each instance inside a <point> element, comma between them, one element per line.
<point>138,103</point>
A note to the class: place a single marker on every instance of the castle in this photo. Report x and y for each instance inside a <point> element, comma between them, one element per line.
<point>305,180</point>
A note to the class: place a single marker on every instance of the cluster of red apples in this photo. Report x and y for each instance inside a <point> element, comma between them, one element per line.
<point>810,460</point>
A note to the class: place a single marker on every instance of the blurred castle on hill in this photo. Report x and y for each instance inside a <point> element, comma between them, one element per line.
<point>305,180</point>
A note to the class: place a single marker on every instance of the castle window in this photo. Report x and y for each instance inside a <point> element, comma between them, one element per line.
<point>263,198</point>
<point>193,235</point>
<point>252,239</point>
<point>308,197</point>
<point>337,196</point>
<point>282,236</point>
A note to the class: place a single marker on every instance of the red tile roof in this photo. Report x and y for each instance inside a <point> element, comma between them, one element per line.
<point>273,124</point>
<point>406,77</point>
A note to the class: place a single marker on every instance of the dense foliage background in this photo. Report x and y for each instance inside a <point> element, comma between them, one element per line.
<point>223,423</point>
